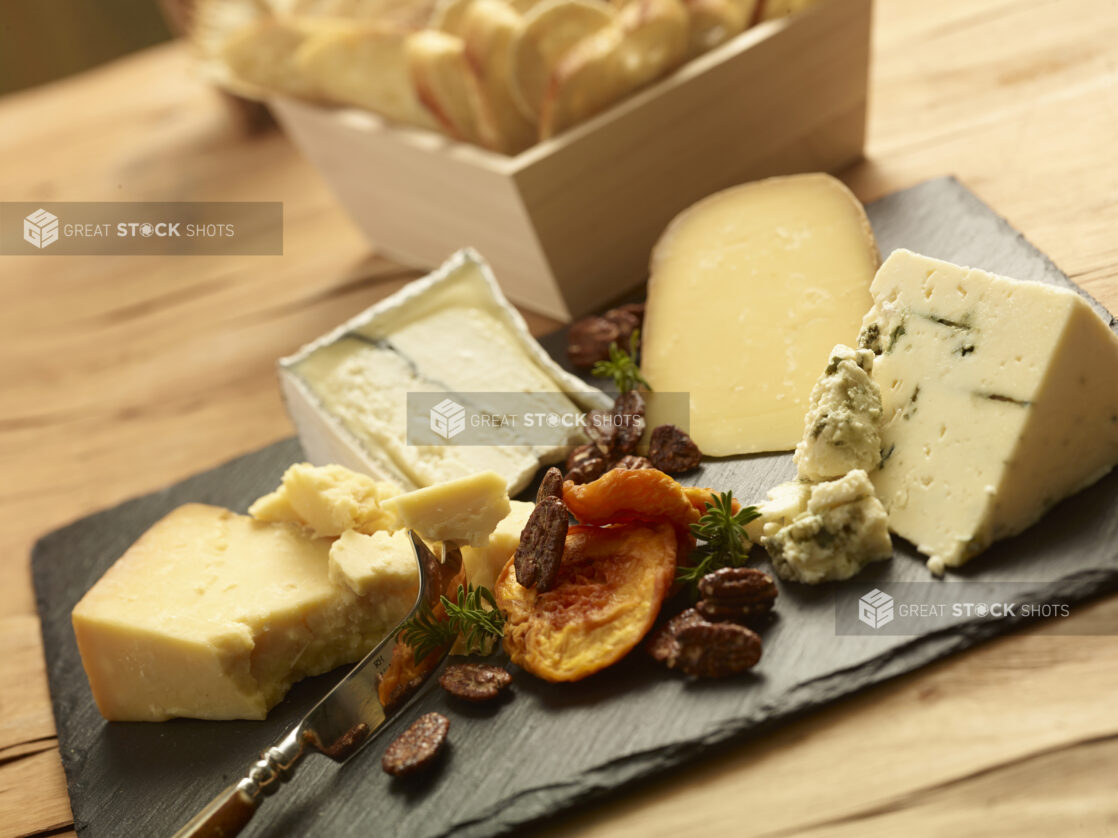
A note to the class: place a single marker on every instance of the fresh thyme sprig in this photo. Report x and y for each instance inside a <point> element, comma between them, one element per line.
<point>622,366</point>
<point>468,616</point>
<point>726,543</point>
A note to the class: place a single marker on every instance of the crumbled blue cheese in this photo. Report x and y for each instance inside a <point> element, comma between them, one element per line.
<point>842,529</point>
<point>841,427</point>
<point>785,501</point>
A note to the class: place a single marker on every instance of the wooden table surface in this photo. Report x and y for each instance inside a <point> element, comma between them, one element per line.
<point>124,374</point>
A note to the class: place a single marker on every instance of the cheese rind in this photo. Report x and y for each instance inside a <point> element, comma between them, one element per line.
<point>214,615</point>
<point>1000,399</point>
<point>464,511</point>
<point>749,290</point>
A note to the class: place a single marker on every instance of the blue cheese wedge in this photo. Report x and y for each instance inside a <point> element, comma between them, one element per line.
<point>842,528</point>
<point>841,425</point>
<point>1000,398</point>
<point>451,332</point>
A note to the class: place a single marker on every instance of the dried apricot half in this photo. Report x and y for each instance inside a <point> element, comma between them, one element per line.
<point>700,497</point>
<point>612,581</point>
<point>623,495</point>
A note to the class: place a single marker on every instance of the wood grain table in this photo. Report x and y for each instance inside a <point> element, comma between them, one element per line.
<point>123,374</point>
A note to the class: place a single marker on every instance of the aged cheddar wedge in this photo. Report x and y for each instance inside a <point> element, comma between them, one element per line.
<point>214,615</point>
<point>749,290</point>
<point>1000,398</point>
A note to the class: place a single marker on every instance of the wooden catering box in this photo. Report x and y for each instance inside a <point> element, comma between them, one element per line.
<point>567,225</point>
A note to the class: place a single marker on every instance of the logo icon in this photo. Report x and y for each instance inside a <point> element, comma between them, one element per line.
<point>875,609</point>
<point>40,228</point>
<point>448,418</point>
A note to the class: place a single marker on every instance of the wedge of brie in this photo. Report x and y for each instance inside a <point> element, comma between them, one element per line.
<point>451,332</point>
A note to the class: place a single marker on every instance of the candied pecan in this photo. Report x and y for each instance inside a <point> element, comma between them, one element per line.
<point>672,450</point>
<point>634,309</point>
<point>474,681</point>
<point>588,340</point>
<point>632,461</point>
<point>714,611</point>
<point>417,747</point>
<point>628,411</point>
<point>540,550</point>
<point>586,463</point>
<point>628,319</point>
<point>744,585</point>
<point>715,650</point>
<point>662,644</point>
<point>602,430</point>
<point>551,486</point>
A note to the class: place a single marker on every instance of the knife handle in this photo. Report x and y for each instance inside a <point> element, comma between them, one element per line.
<point>228,813</point>
<point>225,816</point>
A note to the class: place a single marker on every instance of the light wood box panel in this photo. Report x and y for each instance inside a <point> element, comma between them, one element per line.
<point>568,224</point>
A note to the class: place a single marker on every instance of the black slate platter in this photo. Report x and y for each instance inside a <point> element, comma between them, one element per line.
<point>550,747</point>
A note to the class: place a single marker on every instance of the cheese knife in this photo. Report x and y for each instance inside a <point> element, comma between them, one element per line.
<point>342,723</point>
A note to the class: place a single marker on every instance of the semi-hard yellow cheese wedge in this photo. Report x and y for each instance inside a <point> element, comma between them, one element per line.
<point>1000,398</point>
<point>214,615</point>
<point>749,290</point>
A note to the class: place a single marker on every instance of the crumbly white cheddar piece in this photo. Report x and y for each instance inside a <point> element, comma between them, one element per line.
<point>381,565</point>
<point>841,428</point>
<point>328,500</point>
<point>464,511</point>
<point>842,529</point>
<point>749,290</point>
<point>214,615</point>
<point>1000,399</point>
<point>484,563</point>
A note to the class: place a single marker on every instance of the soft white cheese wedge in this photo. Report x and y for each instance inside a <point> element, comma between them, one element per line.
<point>451,332</point>
<point>1000,399</point>
<point>214,615</point>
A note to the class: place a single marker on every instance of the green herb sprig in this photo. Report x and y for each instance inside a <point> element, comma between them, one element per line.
<point>726,543</point>
<point>622,366</point>
<point>467,616</point>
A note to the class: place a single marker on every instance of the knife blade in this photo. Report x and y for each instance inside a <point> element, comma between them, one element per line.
<point>341,724</point>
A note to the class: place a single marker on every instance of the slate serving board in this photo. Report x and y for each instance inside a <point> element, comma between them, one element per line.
<point>549,747</point>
